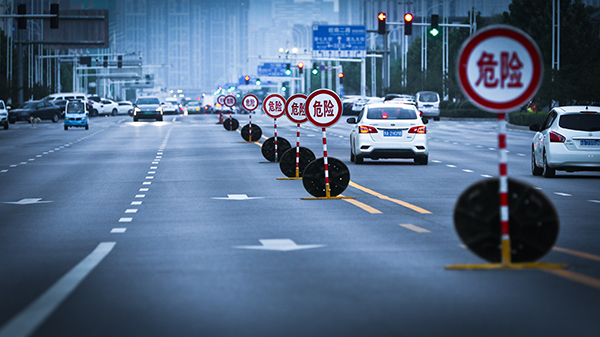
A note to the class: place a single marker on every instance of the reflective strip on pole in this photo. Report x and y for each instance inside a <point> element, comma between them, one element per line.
<point>327,188</point>
<point>504,217</point>
<point>250,125</point>
<point>298,152</point>
<point>275,130</point>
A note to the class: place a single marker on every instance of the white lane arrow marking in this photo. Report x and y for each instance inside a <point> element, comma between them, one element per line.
<point>238,197</point>
<point>282,245</point>
<point>27,201</point>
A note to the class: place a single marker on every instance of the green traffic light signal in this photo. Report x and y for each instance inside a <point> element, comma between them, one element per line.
<point>433,32</point>
<point>435,26</point>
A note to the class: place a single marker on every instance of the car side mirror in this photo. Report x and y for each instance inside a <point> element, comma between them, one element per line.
<point>535,127</point>
<point>351,120</point>
<point>8,107</point>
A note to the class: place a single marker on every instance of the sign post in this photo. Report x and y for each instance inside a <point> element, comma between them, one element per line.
<point>500,69</point>
<point>294,110</point>
<point>230,123</point>
<point>250,103</point>
<point>323,109</point>
<point>274,106</point>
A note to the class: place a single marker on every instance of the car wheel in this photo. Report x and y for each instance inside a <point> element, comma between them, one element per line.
<point>547,172</point>
<point>6,126</point>
<point>87,126</point>
<point>94,112</point>
<point>135,119</point>
<point>55,118</point>
<point>159,119</point>
<point>359,159</point>
<point>422,160</point>
<point>66,128</point>
<point>114,112</point>
<point>130,112</point>
<point>535,170</point>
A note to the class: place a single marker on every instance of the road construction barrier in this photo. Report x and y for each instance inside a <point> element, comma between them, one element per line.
<point>272,145</point>
<point>294,161</point>
<point>231,124</point>
<point>256,133</point>
<point>314,178</point>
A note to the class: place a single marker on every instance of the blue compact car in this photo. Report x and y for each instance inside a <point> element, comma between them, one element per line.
<point>76,115</point>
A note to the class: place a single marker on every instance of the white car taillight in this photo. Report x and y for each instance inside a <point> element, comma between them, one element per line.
<point>366,129</point>
<point>418,129</point>
<point>556,137</point>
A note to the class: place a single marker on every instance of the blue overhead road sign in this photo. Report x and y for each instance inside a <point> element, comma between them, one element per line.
<point>339,41</point>
<point>276,69</point>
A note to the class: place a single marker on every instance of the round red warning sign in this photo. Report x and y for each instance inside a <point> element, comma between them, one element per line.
<point>500,68</point>
<point>250,102</point>
<point>274,105</point>
<point>323,108</point>
<point>294,108</point>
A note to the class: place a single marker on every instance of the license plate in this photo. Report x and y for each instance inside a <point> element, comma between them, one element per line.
<point>586,143</point>
<point>392,133</point>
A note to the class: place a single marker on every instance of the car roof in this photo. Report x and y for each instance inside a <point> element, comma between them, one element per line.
<point>576,108</point>
<point>387,105</point>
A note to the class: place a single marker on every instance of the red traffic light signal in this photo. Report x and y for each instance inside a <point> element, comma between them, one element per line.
<point>300,67</point>
<point>382,25</point>
<point>247,79</point>
<point>408,18</point>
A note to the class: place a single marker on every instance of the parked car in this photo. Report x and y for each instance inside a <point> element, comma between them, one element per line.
<point>65,96</point>
<point>385,130</point>
<point>428,103</point>
<point>125,108</point>
<point>109,107</point>
<point>94,105</point>
<point>4,114</point>
<point>147,108</point>
<point>43,109</point>
<point>347,103</point>
<point>76,115</point>
<point>568,140</point>
<point>170,108</point>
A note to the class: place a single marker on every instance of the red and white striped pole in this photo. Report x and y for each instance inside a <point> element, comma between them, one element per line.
<point>504,217</point>
<point>250,125</point>
<point>298,151</point>
<point>327,188</point>
<point>275,128</point>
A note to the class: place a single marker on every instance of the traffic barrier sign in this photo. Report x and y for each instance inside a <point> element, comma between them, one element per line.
<point>288,165</point>
<point>268,148</point>
<point>317,183</point>
<point>229,101</point>
<point>273,106</point>
<point>294,110</point>
<point>231,124</point>
<point>323,108</point>
<point>500,69</point>
<point>250,103</point>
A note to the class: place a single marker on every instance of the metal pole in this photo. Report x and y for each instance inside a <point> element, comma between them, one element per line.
<point>363,76</point>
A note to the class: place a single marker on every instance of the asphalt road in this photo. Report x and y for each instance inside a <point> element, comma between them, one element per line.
<point>180,228</point>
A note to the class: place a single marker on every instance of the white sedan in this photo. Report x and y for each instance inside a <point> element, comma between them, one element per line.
<point>385,130</point>
<point>110,107</point>
<point>568,140</point>
<point>125,108</point>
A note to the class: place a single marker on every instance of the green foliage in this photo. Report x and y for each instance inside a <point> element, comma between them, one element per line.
<point>526,118</point>
<point>463,109</point>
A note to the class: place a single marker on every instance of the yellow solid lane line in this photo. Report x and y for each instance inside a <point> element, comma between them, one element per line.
<point>576,277</point>
<point>363,206</point>
<point>576,253</point>
<point>384,197</point>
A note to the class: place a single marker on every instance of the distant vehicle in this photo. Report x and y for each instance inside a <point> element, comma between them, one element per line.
<point>428,103</point>
<point>396,98</point>
<point>192,107</point>
<point>568,140</point>
<point>76,115</point>
<point>125,108</point>
<point>43,109</point>
<point>94,105</point>
<point>4,114</point>
<point>147,108</point>
<point>170,107</point>
<point>66,96</point>
<point>385,130</point>
<point>207,103</point>
<point>347,103</point>
<point>109,107</point>
<point>361,102</point>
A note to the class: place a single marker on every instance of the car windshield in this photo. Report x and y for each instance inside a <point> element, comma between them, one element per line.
<point>391,113</point>
<point>148,101</point>
<point>428,97</point>
<point>75,107</point>
<point>580,121</point>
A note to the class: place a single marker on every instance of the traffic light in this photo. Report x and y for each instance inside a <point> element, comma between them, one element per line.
<point>315,68</point>
<point>408,18</point>
<point>284,86</point>
<point>258,81</point>
<point>300,68</point>
<point>120,61</point>
<point>247,79</point>
<point>382,26</point>
<point>22,22</point>
<point>341,76</point>
<point>54,20</point>
<point>434,30</point>
<point>105,63</point>
<point>288,71</point>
